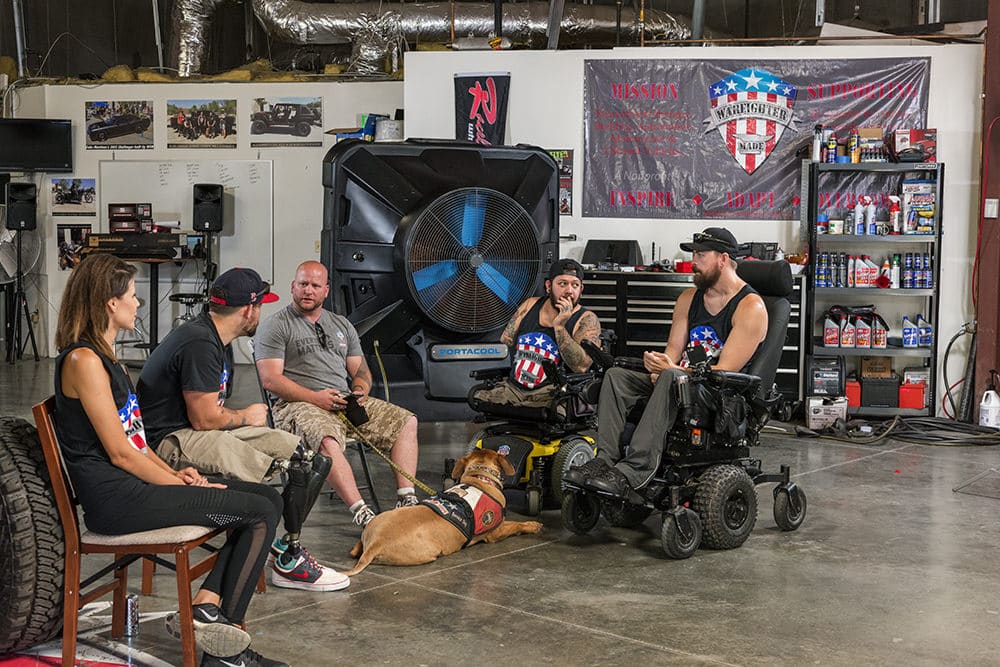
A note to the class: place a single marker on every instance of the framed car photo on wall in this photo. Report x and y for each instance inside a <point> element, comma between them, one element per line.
<point>118,125</point>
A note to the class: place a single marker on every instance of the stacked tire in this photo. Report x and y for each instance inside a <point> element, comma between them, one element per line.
<point>31,542</point>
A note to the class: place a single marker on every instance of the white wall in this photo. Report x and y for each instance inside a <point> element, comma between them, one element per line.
<point>546,109</point>
<point>298,188</point>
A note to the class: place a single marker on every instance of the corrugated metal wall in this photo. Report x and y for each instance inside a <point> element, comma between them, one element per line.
<point>121,31</point>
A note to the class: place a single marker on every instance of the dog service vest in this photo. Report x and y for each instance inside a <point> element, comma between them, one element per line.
<point>468,509</point>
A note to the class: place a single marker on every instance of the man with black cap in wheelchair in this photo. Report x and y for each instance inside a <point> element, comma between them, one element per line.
<point>546,329</point>
<point>724,317</point>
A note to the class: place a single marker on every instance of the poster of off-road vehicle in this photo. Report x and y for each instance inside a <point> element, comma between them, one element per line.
<point>119,125</point>
<point>73,196</point>
<point>286,121</point>
<point>201,123</point>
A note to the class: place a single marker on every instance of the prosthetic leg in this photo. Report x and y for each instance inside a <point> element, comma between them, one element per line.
<point>306,473</point>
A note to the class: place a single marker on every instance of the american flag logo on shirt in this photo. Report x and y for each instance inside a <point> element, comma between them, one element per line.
<point>703,336</point>
<point>131,418</point>
<point>223,381</point>
<point>751,109</point>
<point>529,353</point>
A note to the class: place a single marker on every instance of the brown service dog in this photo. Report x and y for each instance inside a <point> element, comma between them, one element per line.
<point>417,535</point>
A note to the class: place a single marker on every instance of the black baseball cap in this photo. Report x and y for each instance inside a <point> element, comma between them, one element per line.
<point>719,239</point>
<point>240,287</point>
<point>566,266</point>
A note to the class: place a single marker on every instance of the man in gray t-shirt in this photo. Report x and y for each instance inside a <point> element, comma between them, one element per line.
<point>310,359</point>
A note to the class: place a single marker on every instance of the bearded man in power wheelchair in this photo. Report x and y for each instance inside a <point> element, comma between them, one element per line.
<point>675,435</point>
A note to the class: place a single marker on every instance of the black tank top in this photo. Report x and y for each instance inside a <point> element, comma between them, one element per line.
<point>711,331</point>
<point>534,344</point>
<point>95,479</point>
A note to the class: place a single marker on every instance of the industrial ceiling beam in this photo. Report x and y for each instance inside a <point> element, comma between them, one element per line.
<point>555,23</point>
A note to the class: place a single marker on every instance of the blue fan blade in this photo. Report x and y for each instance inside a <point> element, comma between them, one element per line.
<point>473,217</point>
<point>498,283</point>
<point>434,274</point>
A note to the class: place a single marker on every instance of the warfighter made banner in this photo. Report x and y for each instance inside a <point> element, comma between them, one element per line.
<point>724,138</point>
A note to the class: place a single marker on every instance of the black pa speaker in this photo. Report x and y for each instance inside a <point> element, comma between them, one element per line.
<point>207,207</point>
<point>21,200</point>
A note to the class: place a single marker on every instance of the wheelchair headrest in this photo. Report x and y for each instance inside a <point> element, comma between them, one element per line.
<point>769,278</point>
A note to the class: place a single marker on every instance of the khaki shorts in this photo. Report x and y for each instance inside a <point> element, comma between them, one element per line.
<point>312,424</point>
<point>244,453</point>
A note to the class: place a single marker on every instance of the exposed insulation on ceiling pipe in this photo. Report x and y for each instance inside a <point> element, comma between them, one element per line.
<point>191,20</point>
<point>525,23</point>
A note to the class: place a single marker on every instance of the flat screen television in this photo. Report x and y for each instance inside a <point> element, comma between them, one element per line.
<point>36,144</point>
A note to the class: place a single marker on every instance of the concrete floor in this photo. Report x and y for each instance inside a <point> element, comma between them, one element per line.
<point>890,567</point>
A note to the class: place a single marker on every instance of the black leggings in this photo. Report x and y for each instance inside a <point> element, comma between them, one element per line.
<point>250,511</point>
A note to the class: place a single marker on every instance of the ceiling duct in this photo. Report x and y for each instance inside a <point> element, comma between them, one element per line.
<point>524,23</point>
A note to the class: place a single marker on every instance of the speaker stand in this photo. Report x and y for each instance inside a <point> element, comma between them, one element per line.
<point>211,268</point>
<point>15,345</point>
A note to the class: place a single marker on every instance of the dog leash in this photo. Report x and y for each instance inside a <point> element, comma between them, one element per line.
<point>392,464</point>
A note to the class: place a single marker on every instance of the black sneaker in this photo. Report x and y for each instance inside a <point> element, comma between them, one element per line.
<point>612,481</point>
<point>577,474</point>
<point>213,632</point>
<point>247,658</point>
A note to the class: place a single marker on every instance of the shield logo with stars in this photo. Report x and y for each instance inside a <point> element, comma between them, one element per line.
<point>531,351</point>
<point>751,109</point>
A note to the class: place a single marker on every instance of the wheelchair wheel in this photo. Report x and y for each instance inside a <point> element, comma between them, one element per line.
<point>580,512</point>
<point>789,513</point>
<point>572,452</point>
<point>726,501</point>
<point>624,514</point>
<point>680,535</point>
<point>533,501</point>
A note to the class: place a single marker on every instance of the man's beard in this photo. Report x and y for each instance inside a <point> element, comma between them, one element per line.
<point>250,327</point>
<point>706,279</point>
<point>555,302</point>
<point>317,304</point>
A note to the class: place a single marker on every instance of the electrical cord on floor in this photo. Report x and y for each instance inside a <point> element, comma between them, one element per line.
<point>912,430</point>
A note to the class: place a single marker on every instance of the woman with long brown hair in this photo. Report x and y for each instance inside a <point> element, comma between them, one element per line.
<point>121,483</point>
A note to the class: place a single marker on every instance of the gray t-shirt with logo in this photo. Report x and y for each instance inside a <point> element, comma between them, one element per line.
<point>290,336</point>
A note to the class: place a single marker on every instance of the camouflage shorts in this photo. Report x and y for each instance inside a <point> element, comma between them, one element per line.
<point>312,424</point>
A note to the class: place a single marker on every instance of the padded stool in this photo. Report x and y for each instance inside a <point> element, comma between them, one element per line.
<point>189,300</point>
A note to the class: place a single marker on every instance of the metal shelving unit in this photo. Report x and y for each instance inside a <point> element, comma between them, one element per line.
<point>827,175</point>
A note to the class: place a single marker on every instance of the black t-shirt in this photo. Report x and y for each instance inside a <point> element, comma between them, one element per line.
<point>709,331</point>
<point>191,358</point>
<point>98,483</point>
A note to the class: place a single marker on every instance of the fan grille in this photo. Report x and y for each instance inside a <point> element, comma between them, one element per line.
<point>472,256</point>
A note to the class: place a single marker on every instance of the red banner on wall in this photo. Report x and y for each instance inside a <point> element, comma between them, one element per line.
<point>481,108</point>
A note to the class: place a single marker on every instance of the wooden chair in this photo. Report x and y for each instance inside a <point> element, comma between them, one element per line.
<point>126,549</point>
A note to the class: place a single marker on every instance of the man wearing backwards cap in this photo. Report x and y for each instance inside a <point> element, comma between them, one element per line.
<point>183,389</point>
<point>723,316</point>
<point>546,328</point>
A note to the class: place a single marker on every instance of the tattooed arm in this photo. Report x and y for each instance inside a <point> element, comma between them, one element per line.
<point>361,377</point>
<point>510,331</point>
<point>205,413</point>
<point>588,327</point>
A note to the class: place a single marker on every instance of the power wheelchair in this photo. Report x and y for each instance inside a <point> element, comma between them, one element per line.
<point>541,443</point>
<point>705,484</point>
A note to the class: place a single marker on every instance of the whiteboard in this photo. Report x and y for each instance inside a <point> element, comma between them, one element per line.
<point>247,236</point>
